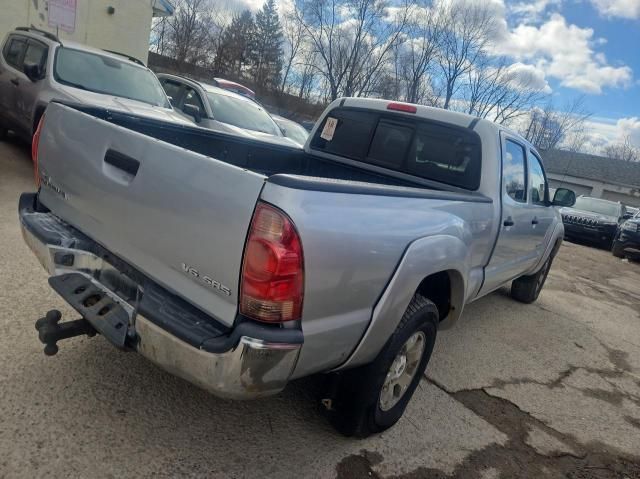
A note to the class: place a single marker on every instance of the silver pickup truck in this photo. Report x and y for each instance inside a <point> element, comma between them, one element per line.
<point>241,265</point>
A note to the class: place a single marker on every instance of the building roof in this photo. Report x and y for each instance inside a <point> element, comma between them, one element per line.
<point>592,167</point>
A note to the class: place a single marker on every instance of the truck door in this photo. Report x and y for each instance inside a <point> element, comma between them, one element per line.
<point>541,211</point>
<point>514,252</point>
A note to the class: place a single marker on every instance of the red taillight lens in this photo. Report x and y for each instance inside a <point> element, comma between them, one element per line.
<point>34,150</point>
<point>272,284</point>
<point>405,107</point>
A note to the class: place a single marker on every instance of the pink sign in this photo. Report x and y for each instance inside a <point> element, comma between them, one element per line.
<point>62,14</point>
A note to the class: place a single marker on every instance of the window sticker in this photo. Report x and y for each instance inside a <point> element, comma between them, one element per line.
<point>329,129</point>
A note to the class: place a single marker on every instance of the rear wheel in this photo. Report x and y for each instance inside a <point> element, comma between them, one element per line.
<point>526,289</point>
<point>372,398</point>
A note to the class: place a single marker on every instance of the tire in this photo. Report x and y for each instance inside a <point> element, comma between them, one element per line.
<point>3,133</point>
<point>358,400</point>
<point>526,289</point>
<point>617,249</point>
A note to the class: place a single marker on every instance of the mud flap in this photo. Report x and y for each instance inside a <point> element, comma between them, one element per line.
<point>107,316</point>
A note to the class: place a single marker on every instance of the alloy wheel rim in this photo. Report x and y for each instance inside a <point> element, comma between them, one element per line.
<point>402,371</point>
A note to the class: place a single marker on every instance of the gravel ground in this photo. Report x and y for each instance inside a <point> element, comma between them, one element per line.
<point>544,390</point>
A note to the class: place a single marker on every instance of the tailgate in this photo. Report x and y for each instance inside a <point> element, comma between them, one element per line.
<point>178,216</point>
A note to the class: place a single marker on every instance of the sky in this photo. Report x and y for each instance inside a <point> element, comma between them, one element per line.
<point>573,48</point>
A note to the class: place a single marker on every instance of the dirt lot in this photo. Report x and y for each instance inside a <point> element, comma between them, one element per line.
<point>544,390</point>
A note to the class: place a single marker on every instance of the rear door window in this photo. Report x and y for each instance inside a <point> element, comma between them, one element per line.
<point>14,51</point>
<point>514,171</point>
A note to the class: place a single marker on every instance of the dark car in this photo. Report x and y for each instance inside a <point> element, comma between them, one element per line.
<point>627,241</point>
<point>594,220</point>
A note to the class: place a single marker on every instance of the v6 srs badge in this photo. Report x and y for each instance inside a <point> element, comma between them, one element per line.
<point>212,283</point>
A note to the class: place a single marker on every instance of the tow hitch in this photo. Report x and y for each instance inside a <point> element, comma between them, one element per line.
<point>100,314</point>
<point>50,330</point>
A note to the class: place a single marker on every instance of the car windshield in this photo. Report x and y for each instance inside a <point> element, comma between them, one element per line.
<point>241,113</point>
<point>294,131</point>
<point>105,74</point>
<point>597,206</point>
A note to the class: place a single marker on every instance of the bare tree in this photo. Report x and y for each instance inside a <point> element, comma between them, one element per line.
<point>352,39</point>
<point>415,56</point>
<point>624,151</point>
<point>465,36</point>
<point>546,128</point>
<point>497,92</point>
<point>187,34</point>
<point>294,38</point>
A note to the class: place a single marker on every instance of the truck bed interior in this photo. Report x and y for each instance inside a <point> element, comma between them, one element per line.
<point>257,156</point>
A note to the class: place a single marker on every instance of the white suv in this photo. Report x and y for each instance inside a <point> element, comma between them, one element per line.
<point>36,68</point>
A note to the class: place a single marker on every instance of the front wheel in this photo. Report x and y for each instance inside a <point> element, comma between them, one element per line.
<point>372,398</point>
<point>617,249</point>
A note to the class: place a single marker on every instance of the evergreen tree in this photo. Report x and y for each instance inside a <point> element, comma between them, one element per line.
<point>235,51</point>
<point>267,54</point>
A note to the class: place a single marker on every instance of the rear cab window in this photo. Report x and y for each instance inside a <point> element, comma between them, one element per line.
<point>418,147</point>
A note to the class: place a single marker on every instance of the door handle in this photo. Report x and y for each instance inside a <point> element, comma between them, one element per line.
<point>15,81</point>
<point>122,162</point>
<point>534,221</point>
<point>508,221</point>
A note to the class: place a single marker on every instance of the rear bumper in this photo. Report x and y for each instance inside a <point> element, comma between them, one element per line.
<point>245,362</point>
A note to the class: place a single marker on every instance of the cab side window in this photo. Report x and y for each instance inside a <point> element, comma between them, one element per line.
<point>192,98</point>
<point>36,53</point>
<point>173,90</point>
<point>14,51</point>
<point>514,171</point>
<point>538,188</point>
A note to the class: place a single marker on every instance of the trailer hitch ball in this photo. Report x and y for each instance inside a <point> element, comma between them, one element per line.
<point>50,332</point>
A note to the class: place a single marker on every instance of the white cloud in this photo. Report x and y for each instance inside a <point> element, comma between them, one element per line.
<point>529,76</point>
<point>564,52</point>
<point>618,8</point>
<point>532,10</point>
<point>629,127</point>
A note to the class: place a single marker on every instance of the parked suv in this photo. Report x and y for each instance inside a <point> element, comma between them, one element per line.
<point>36,68</point>
<point>593,219</point>
<point>627,241</point>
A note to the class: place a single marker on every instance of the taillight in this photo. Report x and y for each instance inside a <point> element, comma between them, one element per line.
<point>272,284</point>
<point>34,150</point>
<point>405,107</point>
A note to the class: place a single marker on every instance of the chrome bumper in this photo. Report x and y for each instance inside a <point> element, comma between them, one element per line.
<point>252,369</point>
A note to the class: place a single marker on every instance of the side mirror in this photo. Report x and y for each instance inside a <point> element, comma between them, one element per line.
<point>564,197</point>
<point>32,70</point>
<point>170,98</point>
<point>627,216</point>
<point>194,111</point>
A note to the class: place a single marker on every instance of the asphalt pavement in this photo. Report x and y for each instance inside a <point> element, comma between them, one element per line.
<point>550,389</point>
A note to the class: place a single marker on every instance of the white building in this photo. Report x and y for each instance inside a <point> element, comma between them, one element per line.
<point>596,176</point>
<point>118,25</point>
